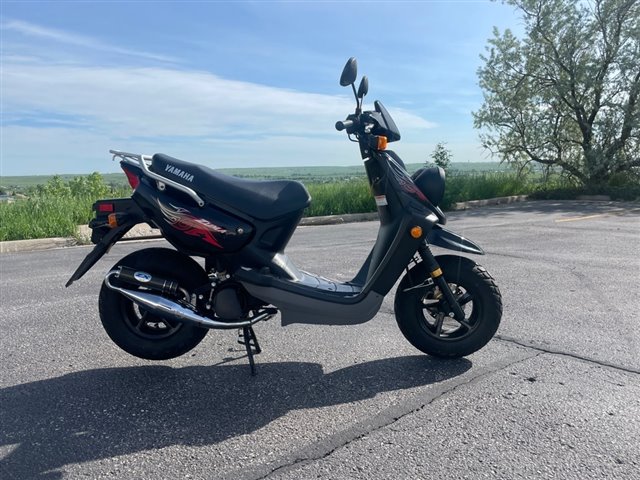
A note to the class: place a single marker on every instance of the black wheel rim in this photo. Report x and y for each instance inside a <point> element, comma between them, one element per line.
<point>437,323</point>
<point>144,324</point>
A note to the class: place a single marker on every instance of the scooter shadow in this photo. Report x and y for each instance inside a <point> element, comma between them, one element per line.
<point>98,414</point>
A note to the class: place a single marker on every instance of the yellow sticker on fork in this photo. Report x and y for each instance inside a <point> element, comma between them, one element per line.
<point>436,273</point>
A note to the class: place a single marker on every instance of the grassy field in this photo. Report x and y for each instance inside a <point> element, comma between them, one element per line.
<point>54,209</point>
<point>22,184</point>
<point>54,205</point>
<point>43,217</point>
<point>334,173</point>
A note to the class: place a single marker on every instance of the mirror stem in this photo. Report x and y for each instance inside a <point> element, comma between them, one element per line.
<point>355,94</point>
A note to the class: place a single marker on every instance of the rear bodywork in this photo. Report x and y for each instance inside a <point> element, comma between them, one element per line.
<point>114,218</point>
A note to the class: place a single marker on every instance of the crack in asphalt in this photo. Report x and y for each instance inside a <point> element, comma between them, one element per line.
<point>552,351</point>
<point>324,448</point>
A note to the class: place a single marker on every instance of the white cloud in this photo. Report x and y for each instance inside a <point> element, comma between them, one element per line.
<point>50,34</point>
<point>184,110</point>
<point>160,101</point>
<point>63,108</point>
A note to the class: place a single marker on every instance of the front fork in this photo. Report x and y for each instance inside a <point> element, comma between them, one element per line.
<point>438,278</point>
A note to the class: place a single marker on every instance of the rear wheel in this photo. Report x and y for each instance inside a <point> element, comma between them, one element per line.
<point>136,330</point>
<point>423,318</point>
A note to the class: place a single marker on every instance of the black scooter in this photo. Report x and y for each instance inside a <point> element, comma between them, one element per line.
<point>159,303</point>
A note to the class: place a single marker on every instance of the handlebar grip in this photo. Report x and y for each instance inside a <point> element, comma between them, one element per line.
<point>343,125</point>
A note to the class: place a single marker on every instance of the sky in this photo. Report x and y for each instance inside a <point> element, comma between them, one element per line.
<point>234,84</point>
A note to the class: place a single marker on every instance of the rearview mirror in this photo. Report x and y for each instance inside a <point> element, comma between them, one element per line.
<point>363,89</point>
<point>349,72</point>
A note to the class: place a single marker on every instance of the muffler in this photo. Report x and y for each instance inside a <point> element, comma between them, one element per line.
<point>169,310</point>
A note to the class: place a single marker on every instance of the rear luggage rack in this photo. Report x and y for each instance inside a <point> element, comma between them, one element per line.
<point>141,162</point>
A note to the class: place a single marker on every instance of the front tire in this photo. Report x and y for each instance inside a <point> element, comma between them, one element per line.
<point>139,332</point>
<point>421,316</point>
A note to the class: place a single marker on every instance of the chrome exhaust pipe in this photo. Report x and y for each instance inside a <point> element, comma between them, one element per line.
<point>165,308</point>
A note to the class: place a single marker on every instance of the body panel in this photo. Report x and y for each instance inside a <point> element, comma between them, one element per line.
<point>199,231</point>
<point>444,238</point>
<point>296,308</point>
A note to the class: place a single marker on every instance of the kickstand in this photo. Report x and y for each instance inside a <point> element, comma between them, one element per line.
<point>247,337</point>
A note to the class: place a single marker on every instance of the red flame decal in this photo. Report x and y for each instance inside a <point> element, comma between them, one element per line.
<point>405,181</point>
<point>183,220</point>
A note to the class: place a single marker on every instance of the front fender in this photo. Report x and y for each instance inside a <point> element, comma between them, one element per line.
<point>441,237</point>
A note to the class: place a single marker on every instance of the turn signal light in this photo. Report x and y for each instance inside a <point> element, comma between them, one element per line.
<point>416,232</point>
<point>113,220</point>
<point>382,143</point>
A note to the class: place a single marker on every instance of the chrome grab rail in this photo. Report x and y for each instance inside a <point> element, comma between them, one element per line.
<point>141,161</point>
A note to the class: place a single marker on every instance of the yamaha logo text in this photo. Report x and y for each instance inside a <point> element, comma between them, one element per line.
<point>179,173</point>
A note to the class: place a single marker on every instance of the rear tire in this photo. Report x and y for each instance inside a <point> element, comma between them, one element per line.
<point>137,331</point>
<point>420,312</point>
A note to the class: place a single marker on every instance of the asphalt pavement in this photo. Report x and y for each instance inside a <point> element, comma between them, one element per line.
<point>555,395</point>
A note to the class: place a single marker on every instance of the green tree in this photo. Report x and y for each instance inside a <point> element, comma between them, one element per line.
<point>92,185</point>
<point>78,186</point>
<point>566,94</point>
<point>442,156</point>
<point>55,187</point>
<point>96,186</point>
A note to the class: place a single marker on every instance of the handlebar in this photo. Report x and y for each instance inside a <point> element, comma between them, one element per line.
<point>344,125</point>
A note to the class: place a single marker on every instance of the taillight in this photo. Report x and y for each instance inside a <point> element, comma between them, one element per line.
<point>105,207</point>
<point>133,179</point>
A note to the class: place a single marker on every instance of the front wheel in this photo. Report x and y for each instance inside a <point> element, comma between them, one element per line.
<point>421,310</point>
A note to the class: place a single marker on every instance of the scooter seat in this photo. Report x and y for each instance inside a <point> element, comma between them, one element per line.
<point>261,199</point>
